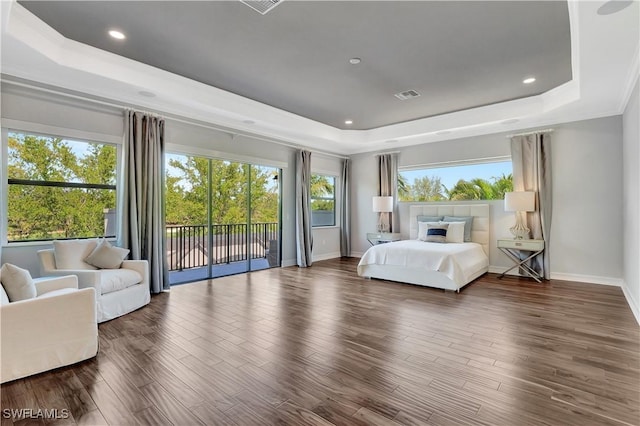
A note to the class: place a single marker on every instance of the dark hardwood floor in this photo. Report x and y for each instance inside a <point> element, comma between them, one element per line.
<point>323,346</point>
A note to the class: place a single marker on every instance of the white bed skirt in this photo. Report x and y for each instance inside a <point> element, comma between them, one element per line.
<point>418,276</point>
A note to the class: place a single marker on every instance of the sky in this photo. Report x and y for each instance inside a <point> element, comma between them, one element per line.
<point>449,176</point>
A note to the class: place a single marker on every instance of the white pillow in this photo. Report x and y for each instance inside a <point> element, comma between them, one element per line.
<point>437,233</point>
<point>17,283</point>
<point>106,256</point>
<point>70,254</point>
<point>455,232</point>
<point>422,229</point>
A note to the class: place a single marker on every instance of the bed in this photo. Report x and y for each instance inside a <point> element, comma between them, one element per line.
<point>449,266</point>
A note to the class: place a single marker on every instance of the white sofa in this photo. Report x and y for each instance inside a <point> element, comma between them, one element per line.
<point>54,329</point>
<point>118,291</point>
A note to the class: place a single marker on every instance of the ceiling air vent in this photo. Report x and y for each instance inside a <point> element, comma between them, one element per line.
<point>261,6</point>
<point>403,96</point>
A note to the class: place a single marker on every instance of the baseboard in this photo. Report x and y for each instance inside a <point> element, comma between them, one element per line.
<point>357,254</point>
<point>590,279</point>
<point>326,256</point>
<point>500,270</point>
<point>633,304</point>
<point>289,262</point>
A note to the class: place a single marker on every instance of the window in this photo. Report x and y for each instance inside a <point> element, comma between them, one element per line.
<point>323,200</point>
<point>480,181</point>
<point>59,188</point>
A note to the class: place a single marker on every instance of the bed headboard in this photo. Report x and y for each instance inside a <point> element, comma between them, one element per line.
<point>480,213</point>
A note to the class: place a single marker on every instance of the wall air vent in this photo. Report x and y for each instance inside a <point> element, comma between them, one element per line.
<point>409,94</point>
<point>262,6</point>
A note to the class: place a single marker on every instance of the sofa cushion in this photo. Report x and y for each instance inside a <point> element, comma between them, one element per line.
<point>70,254</point>
<point>57,292</point>
<point>117,279</point>
<point>4,299</point>
<point>106,256</point>
<point>17,283</point>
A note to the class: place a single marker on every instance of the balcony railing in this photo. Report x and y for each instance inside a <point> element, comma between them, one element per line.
<point>188,245</point>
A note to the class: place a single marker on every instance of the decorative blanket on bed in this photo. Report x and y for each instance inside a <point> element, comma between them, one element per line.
<point>456,261</point>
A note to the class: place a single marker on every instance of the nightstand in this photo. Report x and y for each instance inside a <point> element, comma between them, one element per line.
<point>520,252</point>
<point>382,237</point>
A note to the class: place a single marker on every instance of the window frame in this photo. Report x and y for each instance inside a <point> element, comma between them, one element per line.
<point>334,198</point>
<point>35,129</point>
<point>448,164</point>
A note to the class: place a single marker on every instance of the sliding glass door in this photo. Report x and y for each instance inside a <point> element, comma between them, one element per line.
<point>264,220</point>
<point>223,217</point>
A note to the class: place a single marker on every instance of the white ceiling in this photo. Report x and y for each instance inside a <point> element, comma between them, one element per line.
<point>604,62</point>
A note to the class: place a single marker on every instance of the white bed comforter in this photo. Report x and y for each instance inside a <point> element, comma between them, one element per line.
<point>457,261</point>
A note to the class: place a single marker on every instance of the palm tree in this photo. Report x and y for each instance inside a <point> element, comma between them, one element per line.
<point>475,189</point>
<point>404,189</point>
<point>320,186</point>
<point>481,189</point>
<point>502,184</point>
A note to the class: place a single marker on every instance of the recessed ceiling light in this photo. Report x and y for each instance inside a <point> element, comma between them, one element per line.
<point>147,94</point>
<point>117,34</point>
<point>613,6</point>
<point>355,61</point>
<point>529,80</point>
<point>348,122</point>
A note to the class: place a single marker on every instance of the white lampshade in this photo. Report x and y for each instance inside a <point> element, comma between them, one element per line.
<point>520,201</point>
<point>382,204</point>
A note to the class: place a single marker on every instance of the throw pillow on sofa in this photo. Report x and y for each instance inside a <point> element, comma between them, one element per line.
<point>70,254</point>
<point>106,256</point>
<point>17,283</point>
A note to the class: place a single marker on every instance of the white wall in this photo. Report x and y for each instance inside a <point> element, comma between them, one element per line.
<point>587,182</point>
<point>587,197</point>
<point>43,109</point>
<point>631,201</point>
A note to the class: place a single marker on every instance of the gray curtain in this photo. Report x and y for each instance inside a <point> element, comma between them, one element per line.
<point>388,186</point>
<point>531,156</point>
<point>142,225</point>
<point>345,210</point>
<point>304,237</point>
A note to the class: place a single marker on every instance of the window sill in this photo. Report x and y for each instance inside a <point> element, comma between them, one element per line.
<point>325,227</point>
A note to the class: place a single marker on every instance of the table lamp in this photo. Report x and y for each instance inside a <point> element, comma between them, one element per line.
<point>519,201</point>
<point>382,205</point>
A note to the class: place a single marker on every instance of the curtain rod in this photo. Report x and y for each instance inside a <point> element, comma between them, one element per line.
<point>170,116</point>
<point>529,133</point>
<point>385,153</point>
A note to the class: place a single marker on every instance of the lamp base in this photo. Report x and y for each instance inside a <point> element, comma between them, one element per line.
<point>383,226</point>
<point>519,231</point>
